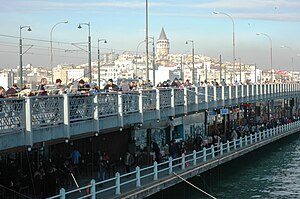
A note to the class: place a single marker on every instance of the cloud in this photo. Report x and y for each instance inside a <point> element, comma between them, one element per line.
<point>278,10</point>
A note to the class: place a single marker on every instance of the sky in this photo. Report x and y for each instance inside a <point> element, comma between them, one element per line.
<point>122,24</point>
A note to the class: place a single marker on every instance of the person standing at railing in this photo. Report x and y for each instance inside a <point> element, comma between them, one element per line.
<point>124,86</point>
<point>75,160</point>
<point>2,92</point>
<point>156,150</point>
<point>41,88</point>
<point>128,161</point>
<point>59,88</point>
<point>110,86</point>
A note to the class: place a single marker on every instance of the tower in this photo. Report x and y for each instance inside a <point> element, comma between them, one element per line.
<point>162,46</point>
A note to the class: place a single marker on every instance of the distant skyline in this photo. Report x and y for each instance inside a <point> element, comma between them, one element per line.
<point>122,23</point>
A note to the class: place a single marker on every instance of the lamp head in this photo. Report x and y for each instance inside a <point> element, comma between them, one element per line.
<point>216,12</point>
<point>258,33</point>
<point>79,26</point>
<point>66,21</point>
<point>105,41</point>
<point>186,42</point>
<point>29,29</point>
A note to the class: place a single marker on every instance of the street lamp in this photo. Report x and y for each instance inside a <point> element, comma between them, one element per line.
<point>136,52</point>
<point>89,49</point>
<point>104,41</point>
<point>193,57</point>
<point>271,52</point>
<point>233,38</point>
<point>147,53</point>
<point>292,61</point>
<point>153,60</point>
<point>51,51</point>
<point>21,54</point>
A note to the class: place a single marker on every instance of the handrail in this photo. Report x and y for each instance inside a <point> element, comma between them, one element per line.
<point>199,157</point>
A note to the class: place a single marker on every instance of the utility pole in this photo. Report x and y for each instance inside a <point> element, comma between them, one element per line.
<point>220,68</point>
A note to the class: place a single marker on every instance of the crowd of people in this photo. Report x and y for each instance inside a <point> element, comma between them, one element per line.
<point>124,85</point>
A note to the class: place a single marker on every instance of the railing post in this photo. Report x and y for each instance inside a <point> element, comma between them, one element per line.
<point>255,137</point>
<point>212,151</point>
<point>172,102</point>
<point>204,154</point>
<point>241,142</point>
<point>62,193</point>
<point>182,161</point>
<point>28,119</point>
<point>228,146</point>
<point>206,94</point>
<point>197,97</point>
<point>118,184</point>
<point>234,144</point>
<point>186,100</point>
<point>157,104</point>
<point>66,116</point>
<point>120,109</point>
<point>264,134</point>
<point>155,177</point>
<point>96,113</point>
<point>215,93</point>
<point>194,157</point>
<point>246,140</point>
<point>251,141</point>
<point>170,166</point>
<point>138,176</point>
<point>221,149</point>
<point>93,189</point>
<point>141,110</point>
<point>229,93</point>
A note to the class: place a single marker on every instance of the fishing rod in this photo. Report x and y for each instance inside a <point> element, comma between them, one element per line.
<point>194,186</point>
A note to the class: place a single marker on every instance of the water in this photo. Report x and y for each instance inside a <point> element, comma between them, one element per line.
<point>270,172</point>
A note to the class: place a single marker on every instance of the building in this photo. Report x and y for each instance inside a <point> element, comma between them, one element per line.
<point>6,79</point>
<point>162,48</point>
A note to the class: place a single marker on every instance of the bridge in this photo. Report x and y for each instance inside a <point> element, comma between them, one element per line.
<point>32,121</point>
<point>27,121</point>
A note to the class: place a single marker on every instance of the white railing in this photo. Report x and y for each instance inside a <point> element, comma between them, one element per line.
<point>142,176</point>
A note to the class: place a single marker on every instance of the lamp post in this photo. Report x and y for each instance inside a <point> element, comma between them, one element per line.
<point>153,60</point>
<point>271,52</point>
<point>233,38</point>
<point>51,50</point>
<point>292,61</point>
<point>89,49</point>
<point>21,54</point>
<point>104,41</point>
<point>136,52</point>
<point>241,70</point>
<point>193,57</point>
<point>147,53</point>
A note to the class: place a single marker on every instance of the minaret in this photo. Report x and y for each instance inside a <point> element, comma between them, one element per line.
<point>162,46</point>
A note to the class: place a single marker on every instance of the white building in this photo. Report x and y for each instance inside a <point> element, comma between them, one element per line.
<point>75,74</point>
<point>6,79</point>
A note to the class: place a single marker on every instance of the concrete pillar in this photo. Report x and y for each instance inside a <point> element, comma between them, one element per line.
<point>204,154</point>
<point>138,176</point>
<point>93,189</point>
<point>118,184</point>
<point>155,177</point>
<point>170,165</point>
<point>62,193</point>
<point>182,161</point>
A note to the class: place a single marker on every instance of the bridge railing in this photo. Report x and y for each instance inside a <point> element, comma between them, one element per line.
<point>130,102</point>
<point>148,100</point>
<point>107,104</point>
<point>141,176</point>
<point>81,107</point>
<point>12,115</point>
<point>53,110</point>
